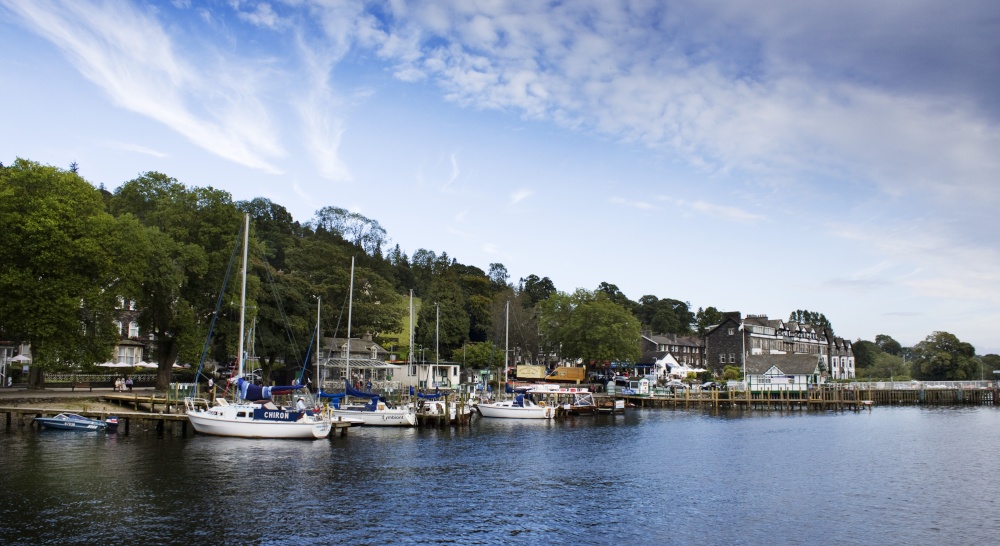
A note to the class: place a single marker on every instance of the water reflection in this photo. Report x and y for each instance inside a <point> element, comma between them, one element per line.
<point>896,475</point>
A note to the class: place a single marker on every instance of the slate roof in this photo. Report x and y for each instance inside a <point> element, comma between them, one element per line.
<point>789,364</point>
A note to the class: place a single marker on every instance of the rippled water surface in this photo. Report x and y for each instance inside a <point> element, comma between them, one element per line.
<point>891,476</point>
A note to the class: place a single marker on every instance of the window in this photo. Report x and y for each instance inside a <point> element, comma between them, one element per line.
<point>732,331</point>
<point>129,355</point>
<point>374,352</point>
<point>722,359</point>
<point>118,327</point>
<point>133,329</point>
<point>732,358</point>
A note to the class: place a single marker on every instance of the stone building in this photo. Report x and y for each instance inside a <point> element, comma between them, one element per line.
<point>727,343</point>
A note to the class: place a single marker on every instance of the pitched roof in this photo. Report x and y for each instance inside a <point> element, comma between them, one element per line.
<point>791,364</point>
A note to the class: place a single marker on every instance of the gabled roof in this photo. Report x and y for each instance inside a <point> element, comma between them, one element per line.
<point>674,339</point>
<point>789,364</point>
<point>357,345</point>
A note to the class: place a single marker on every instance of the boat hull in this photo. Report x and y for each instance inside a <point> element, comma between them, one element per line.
<point>227,423</point>
<point>504,411</point>
<point>378,418</point>
<point>73,422</point>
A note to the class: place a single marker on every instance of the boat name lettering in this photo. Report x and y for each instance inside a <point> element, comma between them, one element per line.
<point>275,415</point>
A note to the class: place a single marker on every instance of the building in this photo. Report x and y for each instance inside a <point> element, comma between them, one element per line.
<point>784,373</point>
<point>686,350</point>
<point>729,342</point>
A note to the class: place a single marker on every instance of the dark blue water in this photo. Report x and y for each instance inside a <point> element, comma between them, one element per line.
<point>891,476</point>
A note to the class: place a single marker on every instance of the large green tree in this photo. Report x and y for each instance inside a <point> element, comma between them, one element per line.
<point>445,292</point>
<point>665,316</point>
<point>888,345</point>
<point>942,356</point>
<point>865,353</point>
<point>536,289</point>
<point>65,261</point>
<point>590,326</point>
<point>194,231</point>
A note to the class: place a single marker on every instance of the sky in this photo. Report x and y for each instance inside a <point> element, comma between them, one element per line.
<point>763,157</point>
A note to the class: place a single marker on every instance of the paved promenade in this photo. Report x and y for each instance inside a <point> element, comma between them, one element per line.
<point>21,393</point>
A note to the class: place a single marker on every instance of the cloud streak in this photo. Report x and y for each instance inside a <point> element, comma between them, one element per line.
<point>128,54</point>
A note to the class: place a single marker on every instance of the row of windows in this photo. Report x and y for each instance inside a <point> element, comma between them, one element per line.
<point>133,328</point>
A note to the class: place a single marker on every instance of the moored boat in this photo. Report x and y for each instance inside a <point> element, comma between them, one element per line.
<point>254,415</point>
<point>518,407</point>
<point>72,421</point>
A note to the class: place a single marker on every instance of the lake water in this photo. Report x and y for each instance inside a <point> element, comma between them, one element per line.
<point>889,476</point>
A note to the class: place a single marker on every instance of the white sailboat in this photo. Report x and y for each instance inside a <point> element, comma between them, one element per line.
<point>378,411</point>
<point>519,406</point>
<point>255,416</point>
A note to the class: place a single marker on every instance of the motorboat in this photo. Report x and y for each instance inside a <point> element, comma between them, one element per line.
<point>573,400</point>
<point>72,421</point>
<point>518,407</point>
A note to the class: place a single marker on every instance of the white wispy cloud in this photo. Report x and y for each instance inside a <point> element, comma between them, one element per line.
<point>129,55</point>
<point>136,148</point>
<point>641,205</point>
<point>520,195</point>
<point>721,212</point>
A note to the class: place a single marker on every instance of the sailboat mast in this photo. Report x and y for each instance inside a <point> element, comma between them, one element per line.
<point>411,329</point>
<point>506,341</point>
<point>350,307</point>
<point>319,336</point>
<point>437,344</point>
<point>243,295</point>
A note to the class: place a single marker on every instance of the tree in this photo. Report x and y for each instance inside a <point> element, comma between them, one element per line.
<point>536,289</point>
<point>616,296</point>
<point>592,327</point>
<point>991,362</point>
<point>666,316</point>
<point>193,233</point>
<point>364,232</point>
<point>483,355</point>
<point>707,317</point>
<point>942,356</point>
<point>817,320</point>
<point>498,277</point>
<point>65,262</point>
<point>453,329</point>
<point>888,345</point>
<point>865,353</point>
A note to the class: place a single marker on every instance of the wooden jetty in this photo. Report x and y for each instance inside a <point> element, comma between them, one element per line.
<point>148,411</point>
<point>834,396</point>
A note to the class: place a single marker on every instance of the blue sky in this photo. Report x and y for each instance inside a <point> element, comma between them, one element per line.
<point>840,157</point>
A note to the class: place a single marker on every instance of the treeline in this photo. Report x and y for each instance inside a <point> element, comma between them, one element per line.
<point>939,357</point>
<point>71,250</point>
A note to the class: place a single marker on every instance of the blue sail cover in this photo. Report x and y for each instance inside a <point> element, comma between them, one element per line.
<point>351,391</point>
<point>255,393</point>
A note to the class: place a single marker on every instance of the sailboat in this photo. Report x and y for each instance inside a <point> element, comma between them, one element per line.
<point>519,406</point>
<point>378,411</point>
<point>432,403</point>
<point>254,414</point>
